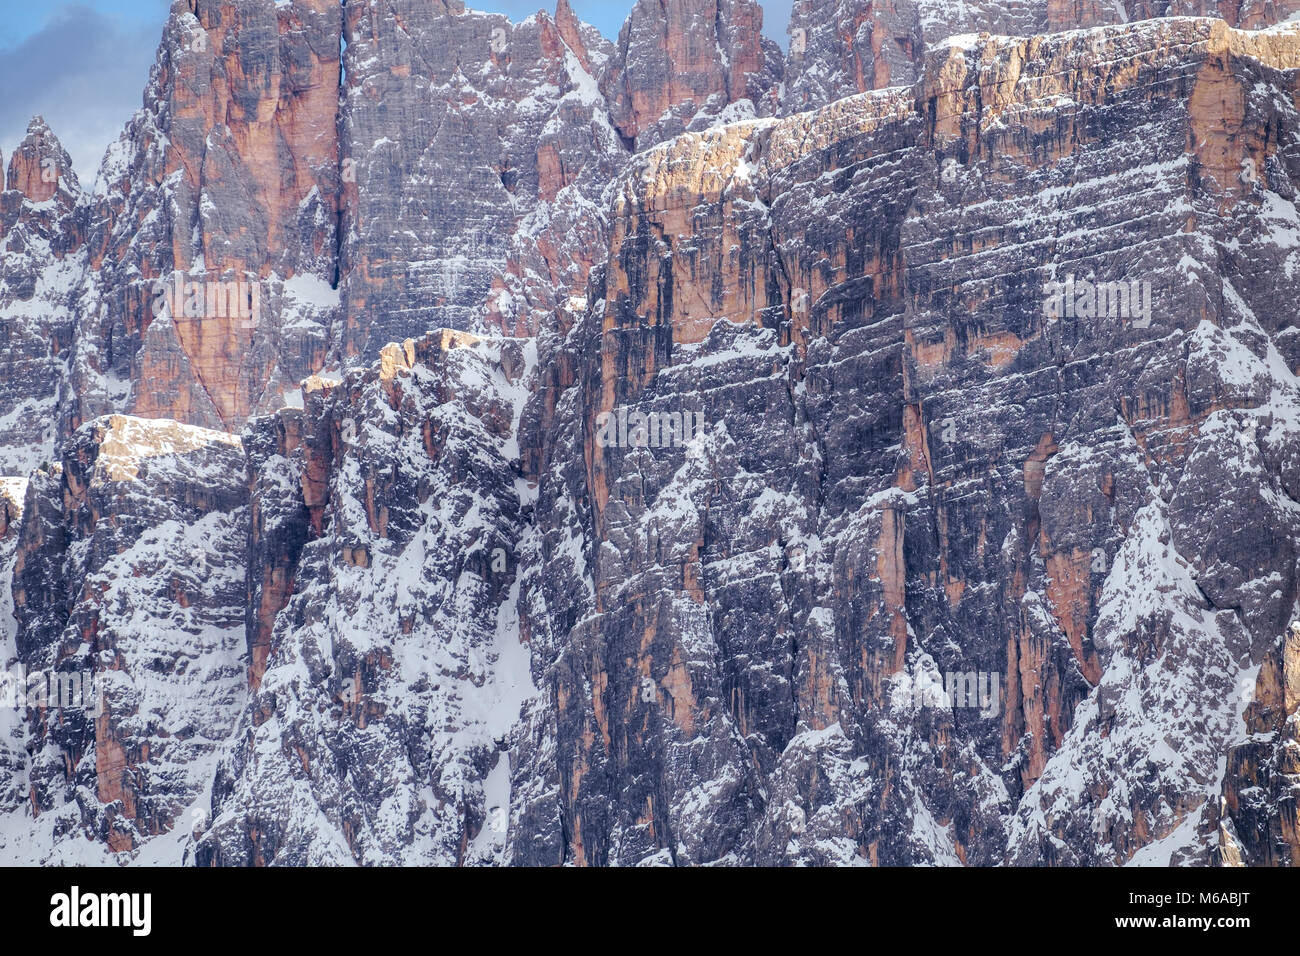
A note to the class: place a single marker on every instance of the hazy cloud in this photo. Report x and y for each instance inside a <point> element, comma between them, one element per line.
<point>85,72</point>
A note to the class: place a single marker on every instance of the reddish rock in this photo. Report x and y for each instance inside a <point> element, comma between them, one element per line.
<point>680,64</point>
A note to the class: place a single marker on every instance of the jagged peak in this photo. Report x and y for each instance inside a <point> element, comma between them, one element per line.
<point>40,166</point>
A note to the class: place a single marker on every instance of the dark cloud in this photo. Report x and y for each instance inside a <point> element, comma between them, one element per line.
<point>85,72</point>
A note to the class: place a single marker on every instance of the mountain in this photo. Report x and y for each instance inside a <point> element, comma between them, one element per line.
<point>663,452</point>
<point>41,239</point>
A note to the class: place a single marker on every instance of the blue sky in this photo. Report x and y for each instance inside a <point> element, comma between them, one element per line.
<point>82,64</point>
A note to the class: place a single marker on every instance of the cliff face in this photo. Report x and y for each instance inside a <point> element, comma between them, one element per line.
<point>279,205</point>
<point>477,150</point>
<point>1257,816</point>
<point>842,47</point>
<point>13,726</point>
<point>224,188</point>
<point>128,585</point>
<point>384,690</point>
<point>910,480</point>
<point>680,66</point>
<point>470,142</point>
<point>40,263</point>
<point>912,467</point>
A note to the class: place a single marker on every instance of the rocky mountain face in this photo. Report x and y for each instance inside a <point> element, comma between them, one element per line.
<point>128,589</point>
<point>385,678</point>
<point>40,246</point>
<point>470,143</point>
<point>913,468</point>
<point>308,181</point>
<point>664,451</point>
<point>13,726</point>
<point>1257,812</point>
<point>679,66</point>
<point>213,227</point>
<point>842,47</point>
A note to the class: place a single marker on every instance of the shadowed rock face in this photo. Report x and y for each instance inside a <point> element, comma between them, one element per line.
<point>470,142</point>
<point>476,150</point>
<point>129,581</point>
<point>911,470</point>
<point>40,261</point>
<point>1257,817</point>
<point>384,690</point>
<point>842,47</point>
<point>965,534</point>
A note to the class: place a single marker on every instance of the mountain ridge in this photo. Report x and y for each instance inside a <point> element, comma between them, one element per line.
<point>433,614</point>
